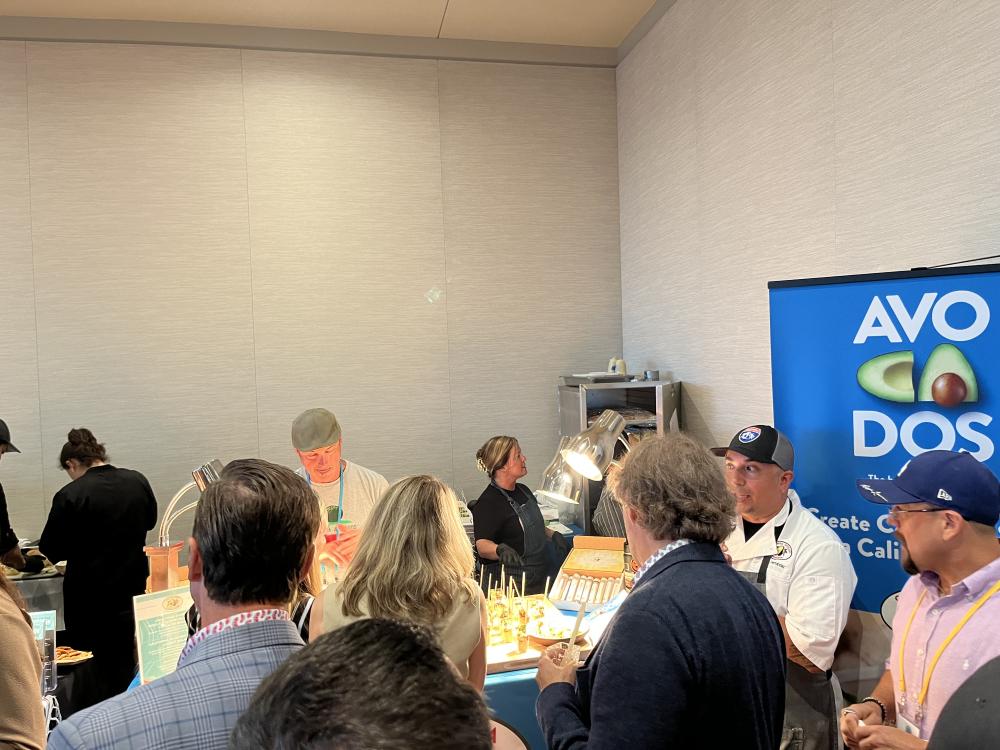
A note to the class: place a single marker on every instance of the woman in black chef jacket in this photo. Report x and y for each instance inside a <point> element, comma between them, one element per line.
<point>508,524</point>
<point>98,524</point>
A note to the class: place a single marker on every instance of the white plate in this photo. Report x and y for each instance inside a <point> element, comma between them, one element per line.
<point>543,632</point>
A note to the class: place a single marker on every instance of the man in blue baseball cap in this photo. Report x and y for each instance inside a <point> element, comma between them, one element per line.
<point>944,507</point>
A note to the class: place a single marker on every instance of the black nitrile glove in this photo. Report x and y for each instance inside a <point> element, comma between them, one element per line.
<point>509,557</point>
<point>560,543</point>
<point>33,563</point>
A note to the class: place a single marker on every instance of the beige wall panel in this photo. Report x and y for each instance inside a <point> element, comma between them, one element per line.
<point>142,271</point>
<point>830,138</point>
<point>827,139</point>
<point>658,154</point>
<point>348,256</point>
<point>917,92</point>
<point>20,474</point>
<point>529,159</point>
<point>732,103</point>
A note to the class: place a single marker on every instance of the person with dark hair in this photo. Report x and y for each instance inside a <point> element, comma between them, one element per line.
<point>10,552</point>
<point>375,683</point>
<point>21,722</point>
<point>98,524</point>
<point>252,544</point>
<point>694,657</point>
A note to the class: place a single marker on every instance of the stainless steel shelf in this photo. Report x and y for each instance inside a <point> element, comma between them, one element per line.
<point>661,398</point>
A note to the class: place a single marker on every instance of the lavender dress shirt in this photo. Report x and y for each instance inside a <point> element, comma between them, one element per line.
<point>976,643</point>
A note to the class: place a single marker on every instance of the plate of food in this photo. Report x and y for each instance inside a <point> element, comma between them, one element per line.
<point>69,655</point>
<point>554,630</point>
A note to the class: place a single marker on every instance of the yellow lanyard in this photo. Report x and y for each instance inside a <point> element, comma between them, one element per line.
<point>937,655</point>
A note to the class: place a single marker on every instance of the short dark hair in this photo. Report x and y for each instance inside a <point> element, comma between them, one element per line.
<point>677,489</point>
<point>375,684</point>
<point>254,528</point>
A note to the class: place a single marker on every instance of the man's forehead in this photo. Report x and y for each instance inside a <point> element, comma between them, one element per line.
<point>739,458</point>
<point>323,449</point>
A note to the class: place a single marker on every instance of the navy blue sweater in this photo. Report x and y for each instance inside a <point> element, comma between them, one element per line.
<point>694,658</point>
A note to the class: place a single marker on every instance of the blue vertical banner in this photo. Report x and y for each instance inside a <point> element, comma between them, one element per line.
<point>869,371</point>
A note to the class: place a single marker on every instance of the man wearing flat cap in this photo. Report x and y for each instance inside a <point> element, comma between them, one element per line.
<point>944,507</point>
<point>347,491</point>
<point>802,568</point>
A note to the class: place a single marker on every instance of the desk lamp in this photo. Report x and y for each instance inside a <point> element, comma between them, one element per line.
<point>559,482</point>
<point>592,451</point>
<point>164,570</point>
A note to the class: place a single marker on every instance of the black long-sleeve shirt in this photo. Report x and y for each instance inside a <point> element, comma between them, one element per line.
<point>8,539</point>
<point>98,524</point>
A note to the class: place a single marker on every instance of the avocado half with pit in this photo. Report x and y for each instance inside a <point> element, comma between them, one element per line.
<point>947,379</point>
<point>889,376</point>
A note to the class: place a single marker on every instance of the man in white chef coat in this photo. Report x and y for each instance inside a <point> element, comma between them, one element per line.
<point>803,569</point>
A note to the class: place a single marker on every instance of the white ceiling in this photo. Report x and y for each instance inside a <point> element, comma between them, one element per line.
<point>582,23</point>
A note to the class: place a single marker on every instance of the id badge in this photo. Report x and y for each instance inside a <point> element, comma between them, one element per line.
<point>907,726</point>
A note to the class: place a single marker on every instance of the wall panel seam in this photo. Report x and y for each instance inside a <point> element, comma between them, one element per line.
<point>444,258</point>
<point>253,320</point>
<point>34,285</point>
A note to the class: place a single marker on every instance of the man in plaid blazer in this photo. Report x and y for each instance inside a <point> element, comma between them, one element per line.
<point>252,543</point>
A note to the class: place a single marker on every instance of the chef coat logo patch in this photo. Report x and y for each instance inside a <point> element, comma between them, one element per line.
<point>749,434</point>
<point>784,550</point>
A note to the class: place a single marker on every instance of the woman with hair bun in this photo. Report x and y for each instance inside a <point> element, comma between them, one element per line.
<point>508,523</point>
<point>98,524</point>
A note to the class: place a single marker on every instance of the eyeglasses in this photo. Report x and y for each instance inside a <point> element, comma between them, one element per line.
<point>895,510</point>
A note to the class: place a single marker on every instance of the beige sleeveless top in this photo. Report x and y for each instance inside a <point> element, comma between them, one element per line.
<point>458,632</point>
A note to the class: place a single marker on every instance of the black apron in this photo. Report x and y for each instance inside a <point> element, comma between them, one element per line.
<point>811,711</point>
<point>536,556</point>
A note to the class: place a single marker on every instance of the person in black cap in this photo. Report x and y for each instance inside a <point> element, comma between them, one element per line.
<point>10,552</point>
<point>944,507</point>
<point>802,568</point>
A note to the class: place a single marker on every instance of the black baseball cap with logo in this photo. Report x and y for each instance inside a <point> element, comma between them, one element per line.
<point>763,444</point>
<point>5,438</point>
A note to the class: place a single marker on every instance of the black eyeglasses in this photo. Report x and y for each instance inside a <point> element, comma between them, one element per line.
<point>895,510</point>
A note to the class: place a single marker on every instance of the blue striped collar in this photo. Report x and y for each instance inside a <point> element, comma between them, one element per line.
<point>657,556</point>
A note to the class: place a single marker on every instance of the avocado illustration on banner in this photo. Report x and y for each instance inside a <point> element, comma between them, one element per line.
<point>889,376</point>
<point>947,378</point>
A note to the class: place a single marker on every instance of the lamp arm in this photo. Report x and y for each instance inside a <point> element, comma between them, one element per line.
<point>165,522</point>
<point>175,516</point>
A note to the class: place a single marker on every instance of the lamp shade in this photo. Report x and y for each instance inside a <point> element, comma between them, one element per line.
<point>207,474</point>
<point>591,452</point>
<point>558,481</point>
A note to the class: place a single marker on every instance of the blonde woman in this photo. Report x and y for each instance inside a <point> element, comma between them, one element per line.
<point>414,563</point>
<point>508,523</point>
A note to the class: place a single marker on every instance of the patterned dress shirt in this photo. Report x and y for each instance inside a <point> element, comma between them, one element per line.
<point>658,555</point>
